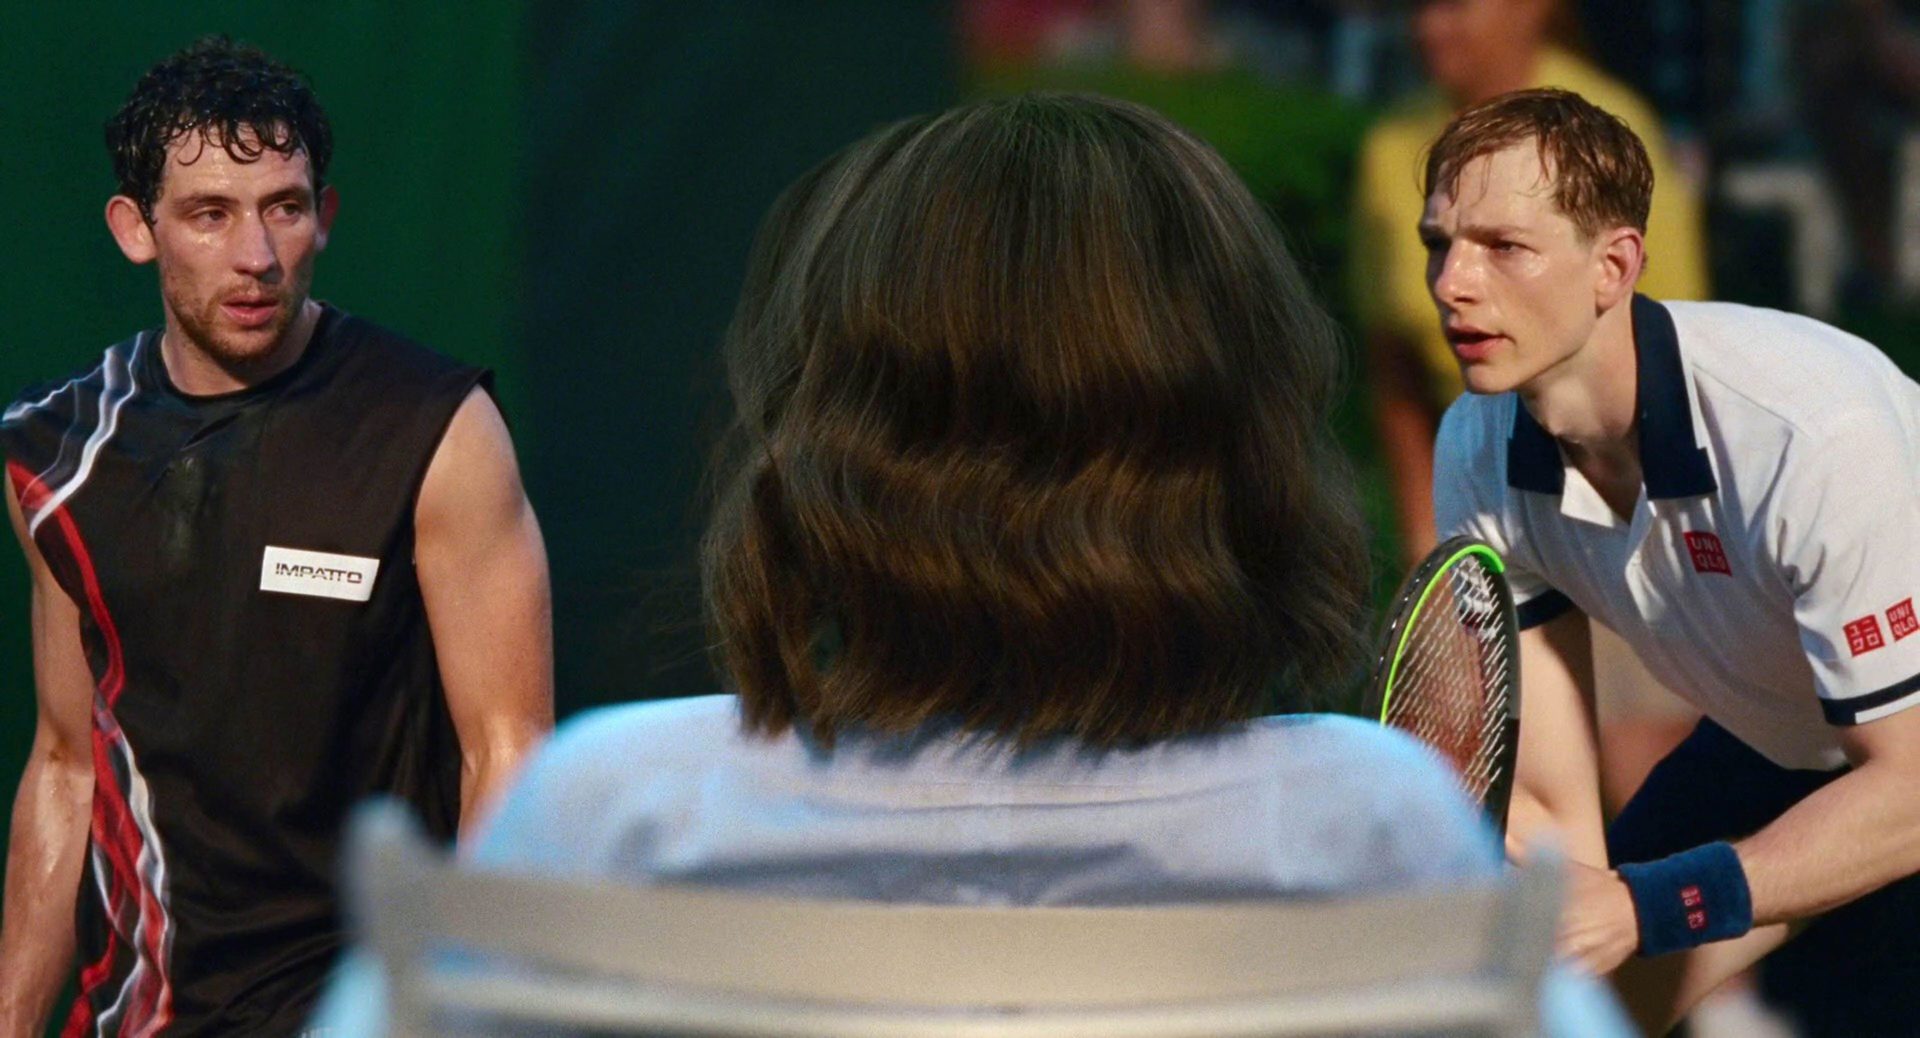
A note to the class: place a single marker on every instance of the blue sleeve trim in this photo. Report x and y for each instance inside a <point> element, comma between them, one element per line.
<point>1846,712</point>
<point>1547,605</point>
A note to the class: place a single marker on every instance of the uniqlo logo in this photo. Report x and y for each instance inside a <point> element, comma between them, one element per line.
<point>1690,898</point>
<point>1708,555</point>
<point>1863,635</point>
<point>1900,620</point>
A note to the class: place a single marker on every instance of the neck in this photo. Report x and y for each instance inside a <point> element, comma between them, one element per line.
<point>1587,401</point>
<point>198,372</point>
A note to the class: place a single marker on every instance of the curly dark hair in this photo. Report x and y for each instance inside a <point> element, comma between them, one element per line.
<point>232,95</point>
<point>1033,435</point>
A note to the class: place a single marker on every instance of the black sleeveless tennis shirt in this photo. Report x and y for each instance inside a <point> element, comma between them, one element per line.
<point>243,567</point>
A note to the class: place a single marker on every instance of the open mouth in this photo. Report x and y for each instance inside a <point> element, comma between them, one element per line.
<point>1472,343</point>
<point>250,313</point>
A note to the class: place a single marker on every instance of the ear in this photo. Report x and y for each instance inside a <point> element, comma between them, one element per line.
<point>130,229</point>
<point>1619,256</point>
<point>329,205</point>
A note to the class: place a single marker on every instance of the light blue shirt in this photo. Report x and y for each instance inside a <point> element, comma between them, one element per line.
<point>1310,804</point>
<point>1298,805</point>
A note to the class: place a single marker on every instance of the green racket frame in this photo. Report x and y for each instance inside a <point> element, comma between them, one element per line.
<point>1407,604</point>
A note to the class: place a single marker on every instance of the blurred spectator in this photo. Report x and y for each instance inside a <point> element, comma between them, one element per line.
<point>1473,50</point>
<point>1003,34</point>
<point>1246,78</point>
<point>1858,65</point>
<point>1860,90</point>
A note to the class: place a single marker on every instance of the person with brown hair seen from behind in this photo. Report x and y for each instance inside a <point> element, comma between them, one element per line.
<point>1031,555</point>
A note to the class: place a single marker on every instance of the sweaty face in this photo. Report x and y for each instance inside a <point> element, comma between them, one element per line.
<point>1514,280</point>
<point>235,242</point>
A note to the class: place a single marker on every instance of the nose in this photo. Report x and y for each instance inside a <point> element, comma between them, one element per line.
<point>253,253</point>
<point>1454,275</point>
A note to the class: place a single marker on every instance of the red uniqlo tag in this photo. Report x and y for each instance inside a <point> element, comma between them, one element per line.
<point>1863,635</point>
<point>1708,555</point>
<point>1901,621</point>
<point>1696,920</point>
<point>1690,896</point>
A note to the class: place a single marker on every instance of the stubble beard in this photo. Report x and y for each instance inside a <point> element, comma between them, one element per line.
<point>207,331</point>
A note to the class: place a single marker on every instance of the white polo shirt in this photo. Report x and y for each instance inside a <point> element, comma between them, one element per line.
<point>1769,572</point>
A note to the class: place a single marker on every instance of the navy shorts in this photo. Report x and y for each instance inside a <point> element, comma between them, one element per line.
<point>1856,970</point>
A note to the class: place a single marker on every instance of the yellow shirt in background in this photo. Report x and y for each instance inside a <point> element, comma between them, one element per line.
<point>1388,274</point>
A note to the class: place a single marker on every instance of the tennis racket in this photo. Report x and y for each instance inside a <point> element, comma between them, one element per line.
<point>1449,669</point>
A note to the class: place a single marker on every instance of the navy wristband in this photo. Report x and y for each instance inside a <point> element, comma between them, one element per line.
<point>1690,898</point>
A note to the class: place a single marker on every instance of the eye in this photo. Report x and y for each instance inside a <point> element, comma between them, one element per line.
<point>288,210</point>
<point>1507,246</point>
<point>1433,245</point>
<point>208,218</point>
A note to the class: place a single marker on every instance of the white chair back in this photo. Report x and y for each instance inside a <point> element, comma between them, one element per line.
<point>468,951</point>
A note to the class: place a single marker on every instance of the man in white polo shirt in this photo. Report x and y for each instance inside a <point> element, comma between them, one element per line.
<point>1737,493</point>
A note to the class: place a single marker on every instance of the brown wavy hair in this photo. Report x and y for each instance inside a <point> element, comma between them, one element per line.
<point>1032,433</point>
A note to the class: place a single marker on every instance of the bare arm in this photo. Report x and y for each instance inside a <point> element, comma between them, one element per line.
<point>47,843</point>
<point>1557,788</point>
<point>483,575</point>
<point>1848,839</point>
<point>1853,836</point>
<point>1557,782</point>
<point>1404,421</point>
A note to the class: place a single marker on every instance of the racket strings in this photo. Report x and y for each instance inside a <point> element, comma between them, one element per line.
<point>1452,689</point>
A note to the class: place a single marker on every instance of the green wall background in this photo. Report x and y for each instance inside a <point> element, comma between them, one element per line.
<point>657,136</point>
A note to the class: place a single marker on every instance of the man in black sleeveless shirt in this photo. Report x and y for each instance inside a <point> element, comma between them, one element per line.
<point>281,561</point>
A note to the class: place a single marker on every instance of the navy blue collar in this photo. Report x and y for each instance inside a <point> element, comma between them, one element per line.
<point>1671,459</point>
